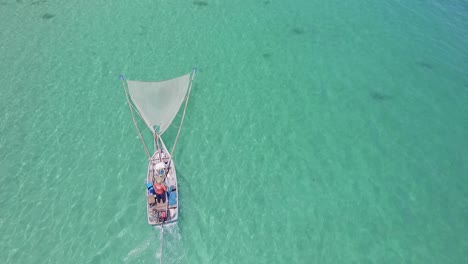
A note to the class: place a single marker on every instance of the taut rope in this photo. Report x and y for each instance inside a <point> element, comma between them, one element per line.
<point>183,115</point>
<point>161,242</point>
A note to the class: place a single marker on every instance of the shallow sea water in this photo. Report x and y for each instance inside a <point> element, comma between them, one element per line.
<point>317,131</point>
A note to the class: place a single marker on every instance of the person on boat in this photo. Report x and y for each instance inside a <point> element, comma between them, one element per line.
<point>160,190</point>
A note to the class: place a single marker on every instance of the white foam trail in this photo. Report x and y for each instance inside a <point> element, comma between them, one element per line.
<point>138,250</point>
<point>173,251</point>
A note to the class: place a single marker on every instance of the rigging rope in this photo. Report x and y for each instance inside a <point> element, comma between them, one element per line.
<point>182,121</point>
<point>156,140</point>
<point>134,121</point>
<point>183,115</point>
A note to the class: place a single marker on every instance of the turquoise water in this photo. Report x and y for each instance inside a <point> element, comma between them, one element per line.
<point>317,131</point>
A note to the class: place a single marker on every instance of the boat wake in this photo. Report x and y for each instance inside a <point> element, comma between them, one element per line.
<point>171,244</point>
<point>138,250</point>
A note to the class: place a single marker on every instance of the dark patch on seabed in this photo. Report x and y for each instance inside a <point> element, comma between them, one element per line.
<point>38,2</point>
<point>143,31</point>
<point>266,55</point>
<point>298,31</point>
<point>425,65</point>
<point>266,2</point>
<point>47,16</point>
<point>200,3</point>
<point>378,96</point>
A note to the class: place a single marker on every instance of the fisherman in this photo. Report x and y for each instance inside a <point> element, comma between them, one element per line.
<point>160,190</point>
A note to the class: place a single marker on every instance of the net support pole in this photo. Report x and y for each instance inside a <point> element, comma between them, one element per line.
<point>185,108</point>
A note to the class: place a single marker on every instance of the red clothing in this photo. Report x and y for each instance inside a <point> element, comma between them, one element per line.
<point>159,188</point>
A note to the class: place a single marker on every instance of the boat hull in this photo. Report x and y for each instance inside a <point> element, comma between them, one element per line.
<point>154,209</point>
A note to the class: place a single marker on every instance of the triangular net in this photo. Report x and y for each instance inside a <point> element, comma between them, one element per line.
<point>159,102</point>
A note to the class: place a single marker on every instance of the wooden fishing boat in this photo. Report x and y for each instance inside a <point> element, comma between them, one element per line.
<point>157,104</point>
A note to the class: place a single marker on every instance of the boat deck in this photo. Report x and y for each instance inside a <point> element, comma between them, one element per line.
<point>157,210</point>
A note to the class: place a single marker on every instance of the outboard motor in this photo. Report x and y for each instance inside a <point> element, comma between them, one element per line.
<point>162,215</point>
